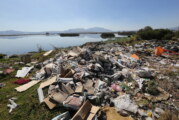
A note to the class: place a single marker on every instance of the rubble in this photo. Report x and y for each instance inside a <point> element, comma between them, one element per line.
<point>108,81</point>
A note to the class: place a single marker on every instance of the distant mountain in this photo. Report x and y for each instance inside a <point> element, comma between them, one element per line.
<point>74,30</point>
<point>10,32</point>
<point>98,29</point>
<point>94,29</point>
<point>14,32</point>
<point>174,28</point>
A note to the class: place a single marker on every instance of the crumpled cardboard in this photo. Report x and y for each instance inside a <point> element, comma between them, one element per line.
<point>86,112</point>
<point>49,103</point>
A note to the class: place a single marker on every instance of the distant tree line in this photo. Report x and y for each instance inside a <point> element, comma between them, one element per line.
<point>127,33</point>
<point>68,34</point>
<point>149,33</point>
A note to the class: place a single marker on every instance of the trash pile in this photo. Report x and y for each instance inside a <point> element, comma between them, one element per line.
<point>102,82</point>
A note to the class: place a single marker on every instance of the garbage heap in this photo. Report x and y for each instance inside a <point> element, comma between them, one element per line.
<point>104,82</point>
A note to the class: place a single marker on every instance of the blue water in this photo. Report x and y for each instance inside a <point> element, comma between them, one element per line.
<point>23,44</point>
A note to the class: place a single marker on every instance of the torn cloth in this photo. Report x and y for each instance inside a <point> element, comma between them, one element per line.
<point>22,81</point>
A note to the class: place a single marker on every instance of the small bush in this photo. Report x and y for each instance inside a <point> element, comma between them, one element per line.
<point>177,34</point>
<point>2,56</point>
<point>107,35</point>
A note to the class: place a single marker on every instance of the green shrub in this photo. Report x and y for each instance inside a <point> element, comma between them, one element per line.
<point>177,34</point>
<point>2,55</point>
<point>148,33</point>
<point>127,33</point>
<point>107,35</point>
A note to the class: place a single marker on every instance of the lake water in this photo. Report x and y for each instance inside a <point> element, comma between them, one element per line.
<point>23,44</point>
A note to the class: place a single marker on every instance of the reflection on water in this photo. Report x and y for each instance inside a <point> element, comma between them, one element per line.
<point>23,44</point>
<point>11,37</point>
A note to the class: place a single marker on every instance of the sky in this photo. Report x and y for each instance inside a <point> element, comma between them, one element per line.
<point>55,15</point>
